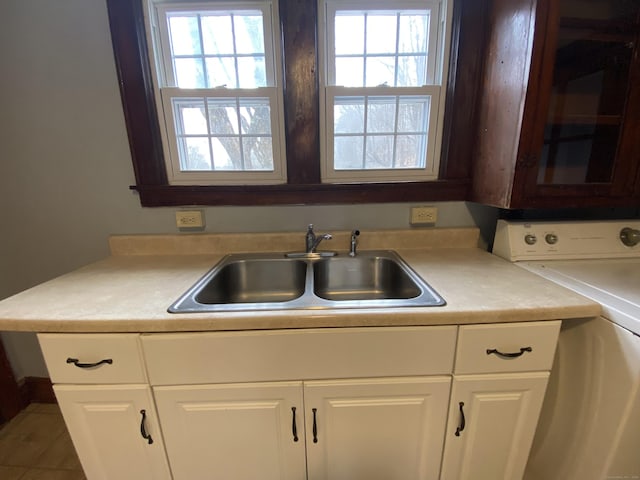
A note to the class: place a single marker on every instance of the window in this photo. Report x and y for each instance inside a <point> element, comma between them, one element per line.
<point>134,26</point>
<point>221,109</point>
<point>382,101</point>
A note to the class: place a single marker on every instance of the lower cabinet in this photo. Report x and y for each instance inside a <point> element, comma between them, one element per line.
<point>491,425</point>
<point>377,403</point>
<point>376,429</point>
<point>389,428</point>
<point>114,430</point>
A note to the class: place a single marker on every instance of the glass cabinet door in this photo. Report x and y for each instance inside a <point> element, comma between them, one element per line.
<point>594,50</point>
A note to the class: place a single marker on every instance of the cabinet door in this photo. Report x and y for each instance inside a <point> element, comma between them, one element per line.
<point>588,143</point>
<point>376,429</point>
<point>234,431</point>
<point>492,420</point>
<point>107,426</point>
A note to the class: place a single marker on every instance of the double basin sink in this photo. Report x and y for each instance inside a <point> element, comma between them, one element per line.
<point>246,282</point>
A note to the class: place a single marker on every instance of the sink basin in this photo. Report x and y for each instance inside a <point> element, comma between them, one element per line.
<point>255,281</point>
<point>363,278</point>
<point>248,282</point>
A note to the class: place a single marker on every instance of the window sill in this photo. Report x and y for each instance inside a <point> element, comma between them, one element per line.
<point>174,195</point>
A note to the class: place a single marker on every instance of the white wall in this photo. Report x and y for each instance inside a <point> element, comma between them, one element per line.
<point>65,166</point>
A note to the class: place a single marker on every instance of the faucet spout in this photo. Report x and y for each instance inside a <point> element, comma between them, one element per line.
<point>312,241</point>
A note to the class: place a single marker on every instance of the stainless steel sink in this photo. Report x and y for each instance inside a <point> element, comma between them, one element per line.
<point>370,277</point>
<point>246,282</point>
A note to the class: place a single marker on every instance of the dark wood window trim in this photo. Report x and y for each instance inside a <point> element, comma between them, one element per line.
<point>301,98</point>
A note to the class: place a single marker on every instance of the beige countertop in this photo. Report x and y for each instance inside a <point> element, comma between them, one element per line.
<point>131,290</point>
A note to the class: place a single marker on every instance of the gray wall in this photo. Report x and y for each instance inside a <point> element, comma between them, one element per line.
<point>66,167</point>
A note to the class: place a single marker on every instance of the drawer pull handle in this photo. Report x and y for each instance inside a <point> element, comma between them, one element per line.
<point>143,431</point>
<point>510,355</point>
<point>315,426</point>
<point>462,420</point>
<point>79,364</point>
<point>294,428</point>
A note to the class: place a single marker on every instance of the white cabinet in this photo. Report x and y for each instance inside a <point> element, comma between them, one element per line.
<point>107,405</point>
<point>376,403</point>
<point>491,425</point>
<point>382,428</point>
<point>236,431</point>
<point>114,430</point>
<point>376,429</point>
<point>493,416</point>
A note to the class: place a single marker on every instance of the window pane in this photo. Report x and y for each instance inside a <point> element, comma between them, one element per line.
<point>410,151</point>
<point>249,33</point>
<point>380,71</point>
<point>221,72</point>
<point>413,34</point>
<point>349,34</point>
<point>348,153</point>
<point>395,134</point>
<point>258,153</point>
<point>395,53</point>
<point>350,71</point>
<point>381,33</point>
<point>413,114</point>
<point>223,116</point>
<point>226,153</point>
<point>194,153</point>
<point>381,115</point>
<point>190,117</point>
<point>215,49</point>
<point>348,115</point>
<point>217,35</point>
<point>189,73</point>
<point>185,35</point>
<point>412,70</point>
<point>255,116</point>
<point>379,152</point>
<point>252,72</point>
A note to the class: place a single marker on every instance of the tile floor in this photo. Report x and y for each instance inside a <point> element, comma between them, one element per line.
<point>35,445</point>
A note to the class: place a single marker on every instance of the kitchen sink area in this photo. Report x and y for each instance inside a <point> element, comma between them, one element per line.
<point>275,281</point>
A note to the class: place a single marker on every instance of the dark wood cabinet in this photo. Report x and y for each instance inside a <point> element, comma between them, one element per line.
<point>559,108</point>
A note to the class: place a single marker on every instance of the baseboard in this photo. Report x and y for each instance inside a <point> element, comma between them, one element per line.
<point>36,390</point>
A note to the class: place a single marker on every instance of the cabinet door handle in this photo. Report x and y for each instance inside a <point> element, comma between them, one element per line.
<point>462,420</point>
<point>511,354</point>
<point>315,426</point>
<point>79,364</point>
<point>143,430</point>
<point>294,428</point>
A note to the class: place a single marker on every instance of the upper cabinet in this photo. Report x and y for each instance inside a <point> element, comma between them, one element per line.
<point>559,108</point>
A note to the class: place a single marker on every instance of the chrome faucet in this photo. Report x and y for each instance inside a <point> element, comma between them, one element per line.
<point>312,241</point>
<point>354,242</point>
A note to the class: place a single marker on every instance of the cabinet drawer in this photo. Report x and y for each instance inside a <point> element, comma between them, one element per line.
<point>227,357</point>
<point>117,358</point>
<point>510,347</point>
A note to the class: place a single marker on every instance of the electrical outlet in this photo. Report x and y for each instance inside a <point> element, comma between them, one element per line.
<point>424,215</point>
<point>190,220</point>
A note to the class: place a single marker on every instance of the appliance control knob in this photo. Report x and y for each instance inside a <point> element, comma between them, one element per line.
<point>630,237</point>
<point>530,239</point>
<point>551,238</point>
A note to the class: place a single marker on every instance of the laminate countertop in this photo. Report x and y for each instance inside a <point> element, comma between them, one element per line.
<point>131,290</point>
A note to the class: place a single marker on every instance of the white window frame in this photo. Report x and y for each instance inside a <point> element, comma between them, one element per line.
<point>165,89</point>
<point>435,88</point>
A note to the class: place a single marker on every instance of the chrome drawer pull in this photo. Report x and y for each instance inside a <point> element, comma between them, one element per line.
<point>510,355</point>
<point>79,364</point>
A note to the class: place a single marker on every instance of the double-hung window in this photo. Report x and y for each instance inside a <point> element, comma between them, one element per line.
<point>382,89</point>
<point>218,89</point>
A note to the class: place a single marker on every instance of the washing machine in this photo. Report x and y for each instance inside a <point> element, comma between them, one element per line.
<point>589,428</point>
